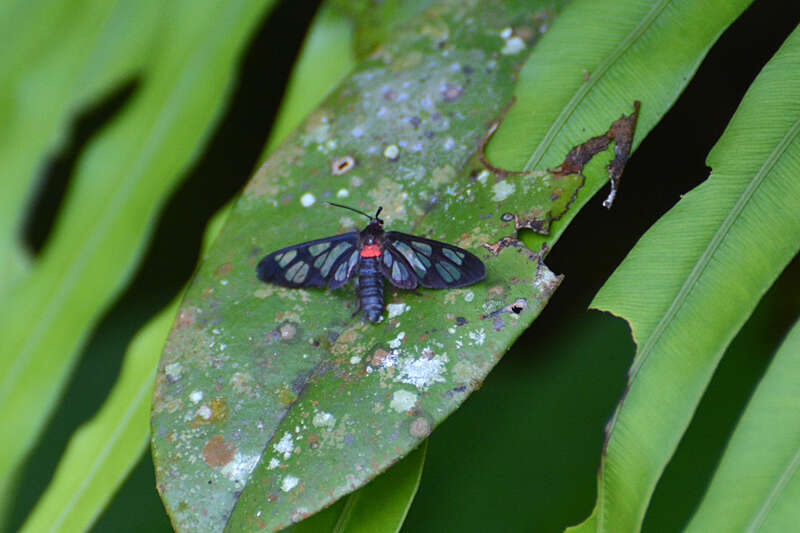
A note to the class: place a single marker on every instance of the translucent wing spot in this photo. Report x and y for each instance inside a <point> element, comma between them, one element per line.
<point>387,258</point>
<point>319,260</point>
<point>454,256</point>
<point>301,274</point>
<point>422,247</point>
<point>293,270</point>
<point>285,258</point>
<point>333,255</point>
<point>351,263</point>
<point>341,272</point>
<point>412,257</point>
<point>316,249</point>
<point>448,272</point>
<point>399,272</point>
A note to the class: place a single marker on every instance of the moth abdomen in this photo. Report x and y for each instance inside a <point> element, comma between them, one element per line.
<point>370,288</point>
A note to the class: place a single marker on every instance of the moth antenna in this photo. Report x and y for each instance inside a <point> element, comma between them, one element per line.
<point>379,211</point>
<point>350,208</point>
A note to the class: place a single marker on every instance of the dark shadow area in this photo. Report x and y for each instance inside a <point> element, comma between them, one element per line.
<point>55,177</point>
<point>222,170</point>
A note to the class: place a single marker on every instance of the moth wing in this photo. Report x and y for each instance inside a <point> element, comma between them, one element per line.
<point>435,264</point>
<point>330,260</point>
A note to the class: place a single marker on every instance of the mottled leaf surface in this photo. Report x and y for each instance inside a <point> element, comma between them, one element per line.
<point>271,403</point>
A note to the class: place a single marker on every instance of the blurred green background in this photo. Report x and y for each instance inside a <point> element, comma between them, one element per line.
<point>522,453</point>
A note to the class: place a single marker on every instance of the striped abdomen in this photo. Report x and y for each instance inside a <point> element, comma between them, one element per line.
<point>370,288</point>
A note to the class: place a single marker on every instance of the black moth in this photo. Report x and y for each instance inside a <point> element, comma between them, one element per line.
<point>405,260</point>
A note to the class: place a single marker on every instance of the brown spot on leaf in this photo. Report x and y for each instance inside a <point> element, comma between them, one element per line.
<point>621,132</point>
<point>217,451</point>
<point>223,270</point>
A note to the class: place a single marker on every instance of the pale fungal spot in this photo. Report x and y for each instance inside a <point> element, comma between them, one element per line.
<point>238,470</point>
<point>289,482</point>
<point>358,131</point>
<point>285,445</point>
<point>342,193</point>
<point>403,400</point>
<point>506,33</point>
<point>204,412</point>
<point>394,310</point>
<point>514,45</point>
<point>355,360</point>
<point>196,396</point>
<point>273,464</point>
<point>173,372</point>
<point>395,343</point>
<point>483,176</point>
<point>223,282</point>
<point>469,296</point>
<point>342,165</point>
<point>215,331</point>
<point>323,419</point>
<point>391,152</point>
<point>420,428</point>
<point>307,199</point>
<point>448,143</point>
<point>502,190</point>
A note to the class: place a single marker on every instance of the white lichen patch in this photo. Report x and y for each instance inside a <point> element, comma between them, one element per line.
<point>483,176</point>
<point>196,396</point>
<point>394,310</point>
<point>342,193</point>
<point>478,337</point>
<point>403,400</point>
<point>238,469</point>
<point>324,420</point>
<point>422,372</point>
<point>289,482</point>
<point>204,412</point>
<point>502,190</point>
<point>398,340</point>
<point>273,464</point>
<point>285,445</point>
<point>355,360</point>
<point>391,152</point>
<point>469,296</point>
<point>307,200</point>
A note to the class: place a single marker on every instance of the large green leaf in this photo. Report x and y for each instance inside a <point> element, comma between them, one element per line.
<point>255,369</point>
<point>693,280</point>
<point>113,199</point>
<point>759,470</point>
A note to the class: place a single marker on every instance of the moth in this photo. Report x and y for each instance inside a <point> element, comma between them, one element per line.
<point>371,254</point>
